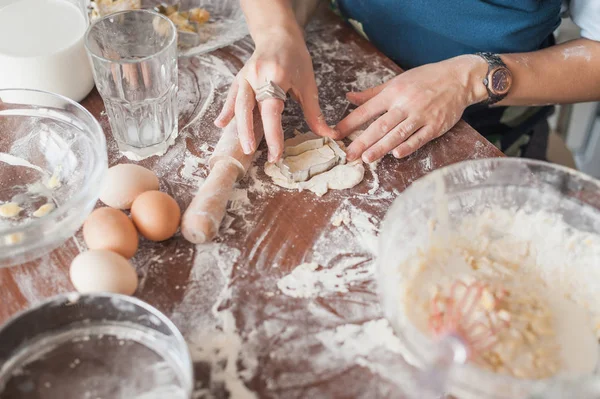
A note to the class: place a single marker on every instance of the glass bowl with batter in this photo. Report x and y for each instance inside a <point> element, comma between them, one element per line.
<point>52,162</point>
<point>527,226</point>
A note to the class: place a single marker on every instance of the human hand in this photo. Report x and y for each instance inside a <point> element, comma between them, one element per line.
<point>282,58</point>
<point>413,108</point>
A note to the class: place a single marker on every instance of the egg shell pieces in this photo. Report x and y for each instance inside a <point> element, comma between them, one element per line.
<point>156,215</point>
<point>111,229</point>
<point>100,270</point>
<point>123,184</point>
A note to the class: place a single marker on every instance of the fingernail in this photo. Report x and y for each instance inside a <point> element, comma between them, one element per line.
<point>272,158</point>
<point>367,159</point>
<point>351,156</point>
<point>219,121</point>
<point>247,147</point>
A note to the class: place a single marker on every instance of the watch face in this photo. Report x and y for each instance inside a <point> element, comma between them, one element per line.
<point>501,80</point>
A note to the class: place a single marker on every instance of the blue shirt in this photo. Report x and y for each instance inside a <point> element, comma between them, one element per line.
<point>417,32</point>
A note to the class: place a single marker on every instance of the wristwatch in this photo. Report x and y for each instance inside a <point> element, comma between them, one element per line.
<point>498,79</point>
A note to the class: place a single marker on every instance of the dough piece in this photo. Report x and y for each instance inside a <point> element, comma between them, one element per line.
<point>13,239</point>
<point>300,168</point>
<point>302,143</point>
<point>306,159</point>
<point>10,210</point>
<point>54,181</point>
<point>300,162</point>
<point>338,178</point>
<point>43,210</point>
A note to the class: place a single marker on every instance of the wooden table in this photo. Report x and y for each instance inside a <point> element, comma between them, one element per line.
<point>333,342</point>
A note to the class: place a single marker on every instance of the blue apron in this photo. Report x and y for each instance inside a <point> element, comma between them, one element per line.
<point>417,32</point>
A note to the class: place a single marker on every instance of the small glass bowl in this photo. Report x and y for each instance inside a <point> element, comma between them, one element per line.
<point>53,153</point>
<point>448,196</point>
<point>99,345</point>
<point>225,26</point>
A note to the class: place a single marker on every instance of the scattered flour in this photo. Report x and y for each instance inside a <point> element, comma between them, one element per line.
<point>308,280</point>
<point>153,151</point>
<point>373,169</point>
<point>211,331</point>
<point>191,164</point>
<point>342,217</point>
<point>578,52</point>
<point>222,349</point>
<point>311,280</point>
<point>366,80</point>
<point>352,341</point>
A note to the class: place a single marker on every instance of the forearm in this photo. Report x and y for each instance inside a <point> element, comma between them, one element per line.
<point>304,10</point>
<point>566,73</point>
<point>267,18</point>
<point>562,74</point>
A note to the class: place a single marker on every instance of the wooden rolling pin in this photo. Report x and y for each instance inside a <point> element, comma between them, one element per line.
<point>228,164</point>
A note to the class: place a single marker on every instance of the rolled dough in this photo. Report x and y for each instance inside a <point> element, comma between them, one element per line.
<point>338,178</point>
<point>311,157</point>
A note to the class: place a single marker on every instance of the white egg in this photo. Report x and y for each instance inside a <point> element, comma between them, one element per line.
<point>124,182</point>
<point>103,271</point>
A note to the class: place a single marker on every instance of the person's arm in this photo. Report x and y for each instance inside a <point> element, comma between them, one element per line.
<point>280,56</point>
<point>423,103</point>
<point>304,10</point>
<point>268,17</point>
<point>566,73</point>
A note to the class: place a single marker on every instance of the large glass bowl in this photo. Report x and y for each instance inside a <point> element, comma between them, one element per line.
<point>448,196</point>
<point>52,151</point>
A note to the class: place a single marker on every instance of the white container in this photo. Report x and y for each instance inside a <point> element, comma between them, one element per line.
<point>41,47</point>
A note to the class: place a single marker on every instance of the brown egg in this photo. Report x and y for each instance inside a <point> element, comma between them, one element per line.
<point>111,229</point>
<point>156,215</point>
<point>124,182</point>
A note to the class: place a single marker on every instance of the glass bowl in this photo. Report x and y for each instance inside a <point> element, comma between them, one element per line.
<point>440,202</point>
<point>52,162</point>
<point>226,25</point>
<point>97,345</point>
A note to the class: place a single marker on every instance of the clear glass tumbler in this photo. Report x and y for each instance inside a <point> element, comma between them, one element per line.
<point>134,57</point>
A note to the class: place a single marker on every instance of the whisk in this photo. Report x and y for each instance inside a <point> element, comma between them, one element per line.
<point>466,323</point>
<point>470,313</point>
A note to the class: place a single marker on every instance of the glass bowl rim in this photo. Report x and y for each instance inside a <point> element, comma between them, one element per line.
<point>82,196</point>
<point>73,297</point>
<point>410,329</point>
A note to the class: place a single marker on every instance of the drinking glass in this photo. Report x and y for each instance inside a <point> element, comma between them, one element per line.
<point>134,57</point>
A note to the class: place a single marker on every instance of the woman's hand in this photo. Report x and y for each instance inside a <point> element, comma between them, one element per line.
<point>281,57</point>
<point>414,108</point>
